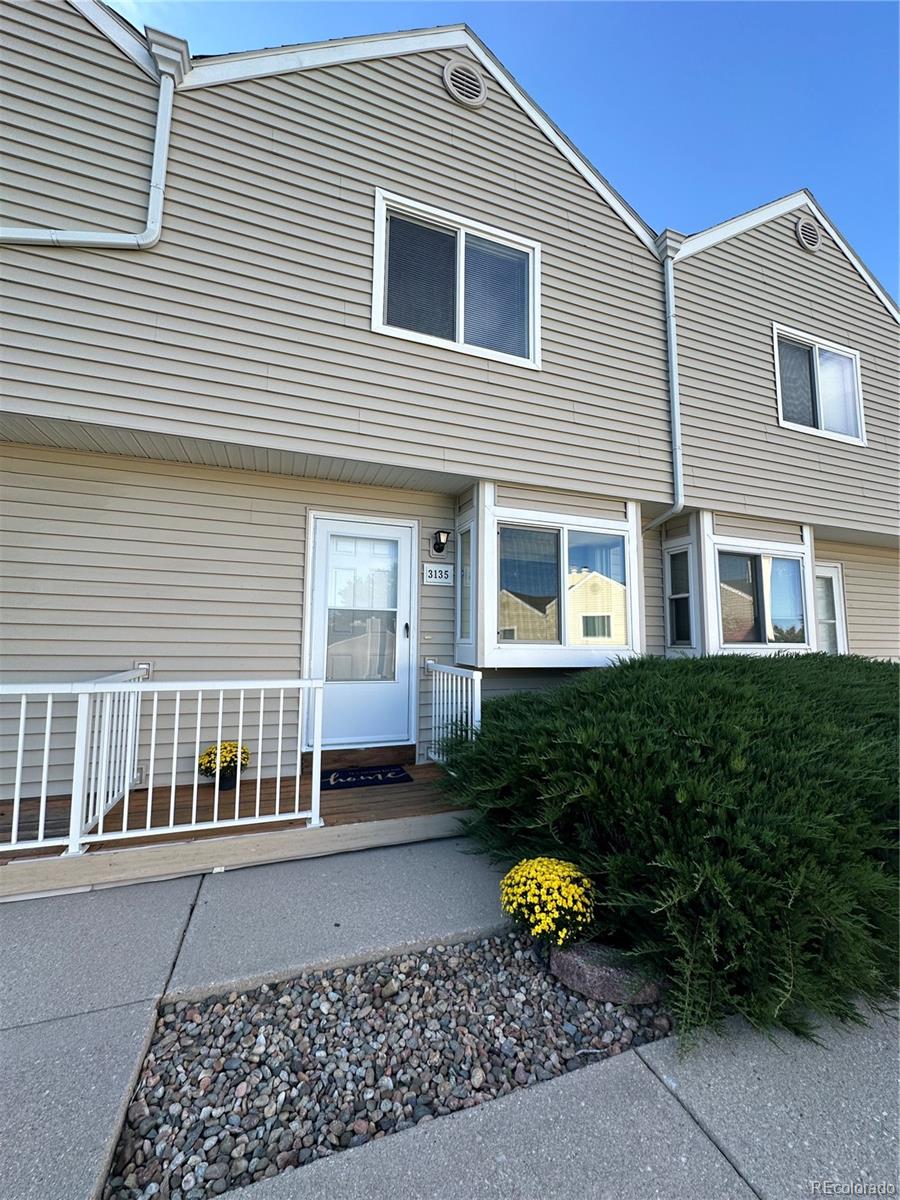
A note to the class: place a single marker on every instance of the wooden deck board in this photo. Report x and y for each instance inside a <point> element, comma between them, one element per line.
<point>346,806</point>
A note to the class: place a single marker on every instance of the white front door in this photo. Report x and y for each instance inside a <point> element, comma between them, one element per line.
<point>361,635</point>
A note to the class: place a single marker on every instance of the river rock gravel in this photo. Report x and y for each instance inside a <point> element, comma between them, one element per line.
<point>238,1088</point>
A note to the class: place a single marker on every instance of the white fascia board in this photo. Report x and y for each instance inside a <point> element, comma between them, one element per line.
<point>258,64</point>
<point>262,63</point>
<point>128,42</point>
<point>769,212</point>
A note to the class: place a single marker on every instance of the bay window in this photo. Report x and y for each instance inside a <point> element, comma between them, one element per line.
<point>761,599</point>
<point>758,593</point>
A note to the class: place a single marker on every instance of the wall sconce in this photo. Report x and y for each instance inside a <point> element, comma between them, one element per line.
<point>439,540</point>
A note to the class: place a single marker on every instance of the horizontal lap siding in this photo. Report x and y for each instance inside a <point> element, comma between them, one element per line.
<point>728,525</point>
<point>871,594</point>
<point>736,456</point>
<point>78,117</point>
<point>654,613</point>
<point>251,320</point>
<point>108,561</point>
<point>568,503</point>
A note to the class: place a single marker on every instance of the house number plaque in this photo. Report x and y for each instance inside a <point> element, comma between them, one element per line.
<point>440,573</point>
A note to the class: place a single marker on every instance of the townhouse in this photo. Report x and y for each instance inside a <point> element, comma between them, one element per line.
<point>341,390</point>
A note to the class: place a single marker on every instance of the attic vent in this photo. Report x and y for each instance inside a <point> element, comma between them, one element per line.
<point>808,234</point>
<point>465,83</point>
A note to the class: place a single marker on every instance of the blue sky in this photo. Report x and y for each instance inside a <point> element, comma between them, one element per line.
<point>694,111</point>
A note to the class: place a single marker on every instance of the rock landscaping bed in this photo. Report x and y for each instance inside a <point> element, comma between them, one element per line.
<point>236,1089</point>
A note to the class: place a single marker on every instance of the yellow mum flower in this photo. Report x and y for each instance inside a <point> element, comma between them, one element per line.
<point>548,896</point>
<point>222,757</point>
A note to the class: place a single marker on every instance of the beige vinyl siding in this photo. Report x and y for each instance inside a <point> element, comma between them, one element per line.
<point>497,682</point>
<point>678,527</point>
<point>65,87</point>
<point>110,561</point>
<point>728,525</point>
<point>871,595</point>
<point>250,322</point>
<point>654,594</point>
<point>737,458</point>
<point>558,503</point>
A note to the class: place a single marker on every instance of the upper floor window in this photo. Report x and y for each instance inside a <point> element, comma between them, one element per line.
<point>450,282</point>
<point>818,386</point>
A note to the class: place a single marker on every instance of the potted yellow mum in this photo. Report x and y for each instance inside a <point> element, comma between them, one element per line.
<point>223,757</point>
<point>551,898</point>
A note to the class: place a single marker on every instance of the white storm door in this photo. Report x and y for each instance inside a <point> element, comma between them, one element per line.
<point>831,626</point>
<point>361,630</point>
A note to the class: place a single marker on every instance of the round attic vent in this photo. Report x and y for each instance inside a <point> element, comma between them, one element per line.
<point>808,234</point>
<point>465,83</point>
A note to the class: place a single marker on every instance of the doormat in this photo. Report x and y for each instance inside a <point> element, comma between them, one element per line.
<point>354,777</point>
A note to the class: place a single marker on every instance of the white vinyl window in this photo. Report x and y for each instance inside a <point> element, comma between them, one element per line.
<point>563,592</point>
<point>758,593</point>
<point>465,591</point>
<point>818,386</point>
<point>450,282</point>
<point>679,601</point>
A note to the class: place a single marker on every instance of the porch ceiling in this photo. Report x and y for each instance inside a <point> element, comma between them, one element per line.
<point>166,447</point>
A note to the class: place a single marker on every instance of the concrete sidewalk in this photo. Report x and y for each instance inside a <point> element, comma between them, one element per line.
<point>741,1116</point>
<point>81,975</point>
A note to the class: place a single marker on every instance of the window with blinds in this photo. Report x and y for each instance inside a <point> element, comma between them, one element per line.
<point>458,286</point>
<point>818,386</point>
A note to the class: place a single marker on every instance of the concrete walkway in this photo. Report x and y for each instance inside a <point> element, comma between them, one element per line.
<point>81,975</point>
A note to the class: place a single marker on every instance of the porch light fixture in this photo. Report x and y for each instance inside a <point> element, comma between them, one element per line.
<point>439,540</point>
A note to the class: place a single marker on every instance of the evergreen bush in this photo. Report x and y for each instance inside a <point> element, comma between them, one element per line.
<point>736,814</point>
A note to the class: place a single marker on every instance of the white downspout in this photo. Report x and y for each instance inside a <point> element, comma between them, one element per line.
<point>669,243</point>
<point>172,60</point>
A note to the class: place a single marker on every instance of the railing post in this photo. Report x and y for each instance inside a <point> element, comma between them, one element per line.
<point>79,772</point>
<point>315,777</point>
<point>475,720</point>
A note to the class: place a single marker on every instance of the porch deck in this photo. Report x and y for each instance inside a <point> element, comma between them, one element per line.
<point>346,806</point>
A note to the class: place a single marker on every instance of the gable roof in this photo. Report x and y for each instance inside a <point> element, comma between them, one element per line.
<point>804,199</point>
<point>210,71</point>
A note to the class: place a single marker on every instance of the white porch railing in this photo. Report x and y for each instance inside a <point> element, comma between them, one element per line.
<point>115,759</point>
<point>455,704</point>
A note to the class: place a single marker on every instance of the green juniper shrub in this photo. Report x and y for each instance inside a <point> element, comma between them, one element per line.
<point>736,814</point>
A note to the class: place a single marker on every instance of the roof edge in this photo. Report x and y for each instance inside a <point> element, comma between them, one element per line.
<point>259,64</point>
<point>706,238</point>
<point>119,32</point>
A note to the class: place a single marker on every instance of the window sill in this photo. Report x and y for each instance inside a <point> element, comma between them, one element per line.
<point>757,648</point>
<point>424,339</point>
<point>534,655</point>
<point>824,433</point>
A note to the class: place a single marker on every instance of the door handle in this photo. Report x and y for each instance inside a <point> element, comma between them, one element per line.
<point>406,628</point>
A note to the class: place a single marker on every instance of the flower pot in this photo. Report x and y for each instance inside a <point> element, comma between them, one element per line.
<point>227,781</point>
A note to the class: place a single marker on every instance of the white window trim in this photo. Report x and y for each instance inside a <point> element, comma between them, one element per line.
<point>712,543</point>
<point>809,339</point>
<point>556,654</point>
<point>388,201</point>
<point>835,572</point>
<point>467,643</point>
<point>678,546</point>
